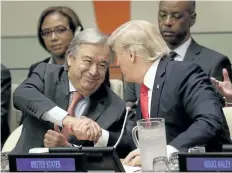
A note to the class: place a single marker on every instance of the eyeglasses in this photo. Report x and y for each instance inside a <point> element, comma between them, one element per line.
<point>59,30</point>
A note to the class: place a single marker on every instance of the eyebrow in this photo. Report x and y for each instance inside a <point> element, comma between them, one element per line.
<point>106,62</point>
<point>89,57</point>
<point>86,56</point>
<point>54,27</point>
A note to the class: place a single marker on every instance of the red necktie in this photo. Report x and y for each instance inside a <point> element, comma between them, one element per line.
<point>144,101</point>
<point>75,99</point>
<point>71,110</point>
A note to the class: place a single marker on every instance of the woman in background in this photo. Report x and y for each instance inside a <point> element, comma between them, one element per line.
<point>56,28</point>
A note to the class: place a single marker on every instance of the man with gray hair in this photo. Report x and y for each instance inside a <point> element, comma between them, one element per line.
<point>179,92</point>
<point>74,98</point>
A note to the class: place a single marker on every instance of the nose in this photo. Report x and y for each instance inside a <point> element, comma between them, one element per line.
<point>93,70</point>
<point>168,21</point>
<point>53,36</point>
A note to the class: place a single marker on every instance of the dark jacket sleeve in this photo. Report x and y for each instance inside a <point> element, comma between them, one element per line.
<point>201,104</point>
<point>5,102</point>
<point>223,62</point>
<point>29,97</point>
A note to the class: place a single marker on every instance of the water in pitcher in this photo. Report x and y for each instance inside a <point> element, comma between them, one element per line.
<point>152,144</point>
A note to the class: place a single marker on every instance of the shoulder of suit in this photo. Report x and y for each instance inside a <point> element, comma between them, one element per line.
<point>3,67</point>
<point>37,63</point>
<point>210,52</point>
<point>53,67</point>
<point>181,67</point>
<point>4,70</point>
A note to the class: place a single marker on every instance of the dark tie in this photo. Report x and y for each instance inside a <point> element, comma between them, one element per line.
<point>172,54</point>
<point>144,101</point>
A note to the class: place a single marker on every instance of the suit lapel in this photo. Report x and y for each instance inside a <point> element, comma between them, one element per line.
<point>96,105</point>
<point>94,110</point>
<point>62,91</point>
<point>158,86</point>
<point>193,50</point>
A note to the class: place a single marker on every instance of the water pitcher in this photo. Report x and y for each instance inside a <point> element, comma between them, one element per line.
<point>151,141</point>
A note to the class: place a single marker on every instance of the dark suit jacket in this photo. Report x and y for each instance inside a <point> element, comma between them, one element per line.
<point>187,101</point>
<point>209,60</point>
<point>5,103</point>
<point>33,66</point>
<point>47,87</point>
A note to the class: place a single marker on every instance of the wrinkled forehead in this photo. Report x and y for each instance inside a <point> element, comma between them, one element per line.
<point>99,53</point>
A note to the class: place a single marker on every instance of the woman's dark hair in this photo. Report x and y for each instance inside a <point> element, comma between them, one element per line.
<point>67,12</point>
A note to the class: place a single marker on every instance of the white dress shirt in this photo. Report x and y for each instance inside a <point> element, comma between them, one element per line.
<point>149,79</point>
<point>181,50</point>
<point>56,115</point>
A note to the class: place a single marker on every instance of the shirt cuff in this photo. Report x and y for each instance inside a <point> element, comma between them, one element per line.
<point>103,140</point>
<point>170,150</point>
<point>55,115</point>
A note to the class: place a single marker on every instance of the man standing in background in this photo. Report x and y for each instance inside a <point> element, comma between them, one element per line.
<point>175,20</point>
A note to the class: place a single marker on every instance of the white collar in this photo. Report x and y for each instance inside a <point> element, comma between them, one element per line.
<point>71,87</point>
<point>51,61</point>
<point>149,77</point>
<point>182,49</point>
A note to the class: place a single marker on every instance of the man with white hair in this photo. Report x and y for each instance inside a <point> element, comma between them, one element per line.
<point>74,98</point>
<point>179,92</point>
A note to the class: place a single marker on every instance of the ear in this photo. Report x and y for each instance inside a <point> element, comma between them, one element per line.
<point>132,54</point>
<point>193,19</point>
<point>69,60</point>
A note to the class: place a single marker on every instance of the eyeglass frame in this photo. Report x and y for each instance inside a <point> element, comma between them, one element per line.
<point>54,31</point>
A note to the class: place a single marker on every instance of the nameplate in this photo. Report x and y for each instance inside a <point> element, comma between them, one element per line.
<point>45,164</point>
<point>209,164</point>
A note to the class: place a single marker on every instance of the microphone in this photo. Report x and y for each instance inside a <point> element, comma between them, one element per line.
<point>129,106</point>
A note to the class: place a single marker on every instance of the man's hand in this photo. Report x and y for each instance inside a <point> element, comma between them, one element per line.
<point>83,128</point>
<point>133,158</point>
<point>88,130</point>
<point>55,139</point>
<point>224,87</point>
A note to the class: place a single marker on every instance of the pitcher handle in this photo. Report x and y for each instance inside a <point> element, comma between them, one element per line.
<point>134,136</point>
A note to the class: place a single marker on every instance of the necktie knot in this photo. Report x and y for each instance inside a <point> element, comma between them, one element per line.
<point>172,54</point>
<point>144,89</point>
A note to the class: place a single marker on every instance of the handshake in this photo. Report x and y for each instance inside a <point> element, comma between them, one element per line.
<point>83,128</point>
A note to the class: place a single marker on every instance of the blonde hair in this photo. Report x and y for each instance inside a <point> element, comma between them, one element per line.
<point>141,36</point>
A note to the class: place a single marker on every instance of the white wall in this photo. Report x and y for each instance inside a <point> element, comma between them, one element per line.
<point>20,47</point>
<point>19,18</point>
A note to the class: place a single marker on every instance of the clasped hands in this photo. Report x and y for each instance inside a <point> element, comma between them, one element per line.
<point>83,128</point>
